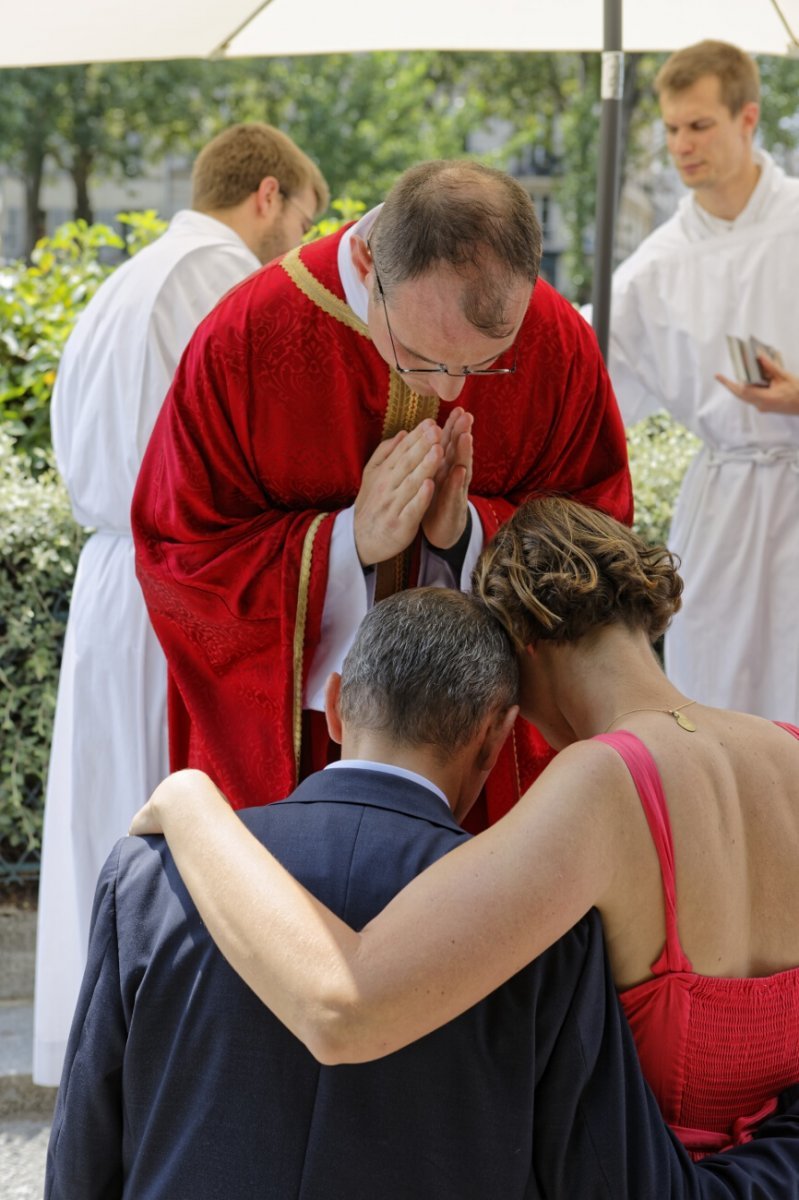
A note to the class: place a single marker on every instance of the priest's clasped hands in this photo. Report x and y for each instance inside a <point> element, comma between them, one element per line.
<point>415,479</point>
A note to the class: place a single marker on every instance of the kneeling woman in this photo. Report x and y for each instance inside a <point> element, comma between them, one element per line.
<point>679,822</point>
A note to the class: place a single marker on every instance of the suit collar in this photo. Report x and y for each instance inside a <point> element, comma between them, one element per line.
<point>374,789</point>
<point>391,769</point>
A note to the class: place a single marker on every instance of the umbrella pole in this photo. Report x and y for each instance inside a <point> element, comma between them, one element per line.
<point>607,184</point>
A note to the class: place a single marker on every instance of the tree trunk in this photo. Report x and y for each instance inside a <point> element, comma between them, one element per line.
<point>81,169</point>
<point>35,217</point>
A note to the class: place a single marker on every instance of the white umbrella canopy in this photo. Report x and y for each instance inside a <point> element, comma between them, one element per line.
<point>309,27</point>
<point>49,32</point>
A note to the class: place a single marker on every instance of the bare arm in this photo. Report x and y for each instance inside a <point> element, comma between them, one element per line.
<point>454,934</point>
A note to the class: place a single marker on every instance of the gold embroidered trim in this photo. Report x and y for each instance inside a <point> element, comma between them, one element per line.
<point>319,295</point>
<point>515,746</point>
<point>299,634</point>
<point>406,409</point>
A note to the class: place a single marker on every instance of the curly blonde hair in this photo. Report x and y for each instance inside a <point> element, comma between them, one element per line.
<point>557,571</point>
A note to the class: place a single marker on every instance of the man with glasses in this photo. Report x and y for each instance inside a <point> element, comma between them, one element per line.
<point>357,419</point>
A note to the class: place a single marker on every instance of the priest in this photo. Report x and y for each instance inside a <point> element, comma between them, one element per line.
<point>357,418</point>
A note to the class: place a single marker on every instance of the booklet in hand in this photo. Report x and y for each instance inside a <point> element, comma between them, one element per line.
<point>744,352</point>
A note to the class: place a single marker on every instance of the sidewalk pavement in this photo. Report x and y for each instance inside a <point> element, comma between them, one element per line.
<point>26,1111</point>
<point>18,1094</point>
<point>23,1154</point>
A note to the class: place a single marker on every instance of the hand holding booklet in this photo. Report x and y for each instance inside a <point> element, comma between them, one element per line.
<point>744,354</point>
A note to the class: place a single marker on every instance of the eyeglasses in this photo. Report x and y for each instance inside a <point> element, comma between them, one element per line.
<point>307,222</point>
<point>440,368</point>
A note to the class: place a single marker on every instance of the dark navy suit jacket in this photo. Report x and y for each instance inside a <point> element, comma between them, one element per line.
<point>180,1085</point>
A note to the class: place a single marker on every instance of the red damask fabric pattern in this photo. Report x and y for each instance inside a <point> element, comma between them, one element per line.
<point>274,410</point>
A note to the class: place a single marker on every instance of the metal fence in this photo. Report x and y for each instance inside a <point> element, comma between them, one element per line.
<point>20,865</point>
<point>16,871</point>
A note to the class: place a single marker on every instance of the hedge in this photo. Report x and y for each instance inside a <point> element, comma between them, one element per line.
<point>39,547</point>
<point>660,450</point>
<point>40,302</point>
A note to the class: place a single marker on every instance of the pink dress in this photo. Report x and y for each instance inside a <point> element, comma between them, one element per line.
<point>716,1052</point>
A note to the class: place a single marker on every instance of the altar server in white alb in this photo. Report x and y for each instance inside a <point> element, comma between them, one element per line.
<point>726,264</point>
<point>254,196</point>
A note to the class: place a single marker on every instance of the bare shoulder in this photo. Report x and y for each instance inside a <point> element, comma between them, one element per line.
<point>746,734</point>
<point>591,764</point>
<point>586,786</point>
<point>573,830</point>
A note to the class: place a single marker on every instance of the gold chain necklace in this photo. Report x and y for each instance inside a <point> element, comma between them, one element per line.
<point>683,721</point>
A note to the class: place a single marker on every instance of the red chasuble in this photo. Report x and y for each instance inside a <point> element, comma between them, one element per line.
<point>279,401</point>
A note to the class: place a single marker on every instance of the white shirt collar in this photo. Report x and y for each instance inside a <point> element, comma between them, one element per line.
<point>362,764</point>
<point>355,292</point>
<point>188,220</point>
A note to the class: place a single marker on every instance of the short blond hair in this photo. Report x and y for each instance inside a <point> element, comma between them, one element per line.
<point>232,165</point>
<point>736,71</point>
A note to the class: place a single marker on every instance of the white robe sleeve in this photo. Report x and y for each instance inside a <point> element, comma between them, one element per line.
<point>632,361</point>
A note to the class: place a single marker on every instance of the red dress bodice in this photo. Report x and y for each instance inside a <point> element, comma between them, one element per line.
<point>715,1051</point>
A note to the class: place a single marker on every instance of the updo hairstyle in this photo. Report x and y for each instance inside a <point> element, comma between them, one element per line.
<point>558,570</point>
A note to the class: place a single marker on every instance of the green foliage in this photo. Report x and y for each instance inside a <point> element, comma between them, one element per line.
<point>363,117</point>
<point>660,450</point>
<point>346,210</point>
<point>97,119</point>
<point>39,304</point>
<point>141,228</point>
<point>779,126</point>
<point>577,198</point>
<point>39,545</point>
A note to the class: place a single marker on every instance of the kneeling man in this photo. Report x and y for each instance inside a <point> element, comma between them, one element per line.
<point>180,1085</point>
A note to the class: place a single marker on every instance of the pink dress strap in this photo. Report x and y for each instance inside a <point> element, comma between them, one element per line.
<point>790,728</point>
<point>646,777</point>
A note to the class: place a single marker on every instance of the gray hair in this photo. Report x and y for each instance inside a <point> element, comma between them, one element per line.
<point>426,668</point>
<point>479,221</point>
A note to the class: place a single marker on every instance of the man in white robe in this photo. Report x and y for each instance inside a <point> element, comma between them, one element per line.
<point>254,196</point>
<point>725,264</point>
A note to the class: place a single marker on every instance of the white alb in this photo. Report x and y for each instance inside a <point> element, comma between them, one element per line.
<point>109,745</point>
<point>736,523</point>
